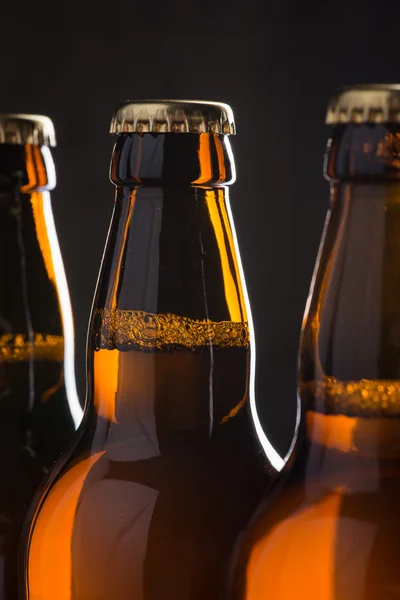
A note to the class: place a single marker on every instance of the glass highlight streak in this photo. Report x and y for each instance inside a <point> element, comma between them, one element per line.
<point>275,459</point>
<point>305,541</point>
<point>66,311</point>
<point>56,525</point>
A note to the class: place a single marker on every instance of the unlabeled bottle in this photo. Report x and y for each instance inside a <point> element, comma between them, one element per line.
<point>39,408</point>
<point>332,529</point>
<point>168,470</point>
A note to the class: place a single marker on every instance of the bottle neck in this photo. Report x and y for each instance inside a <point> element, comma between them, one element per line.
<point>25,169</point>
<point>364,152</point>
<point>349,377</point>
<point>353,319</point>
<point>36,317</point>
<point>171,251</point>
<point>172,159</point>
<point>170,248</point>
<point>29,304</point>
<point>168,309</point>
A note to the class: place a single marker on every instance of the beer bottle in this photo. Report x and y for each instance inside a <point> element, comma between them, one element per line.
<point>332,531</point>
<point>39,408</point>
<point>167,470</point>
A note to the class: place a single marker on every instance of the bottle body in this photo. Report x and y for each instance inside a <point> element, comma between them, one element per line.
<point>37,416</point>
<point>167,472</point>
<point>331,532</point>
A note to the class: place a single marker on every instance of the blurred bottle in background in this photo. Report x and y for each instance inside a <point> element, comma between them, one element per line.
<point>39,407</point>
<point>332,529</point>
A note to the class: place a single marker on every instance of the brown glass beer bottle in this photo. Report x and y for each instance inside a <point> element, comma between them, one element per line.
<point>167,470</point>
<point>39,408</point>
<point>332,531</point>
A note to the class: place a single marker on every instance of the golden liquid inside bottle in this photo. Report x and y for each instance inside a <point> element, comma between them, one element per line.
<point>16,348</point>
<point>26,370</point>
<point>332,533</point>
<point>156,510</point>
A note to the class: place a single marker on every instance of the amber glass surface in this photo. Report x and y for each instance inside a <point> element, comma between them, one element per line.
<point>167,471</point>
<point>36,423</point>
<point>331,530</point>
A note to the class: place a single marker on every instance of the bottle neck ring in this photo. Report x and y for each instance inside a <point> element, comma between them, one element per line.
<point>172,159</point>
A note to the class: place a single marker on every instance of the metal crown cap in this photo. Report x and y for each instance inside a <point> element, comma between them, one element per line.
<point>173,116</point>
<point>374,103</point>
<point>26,129</point>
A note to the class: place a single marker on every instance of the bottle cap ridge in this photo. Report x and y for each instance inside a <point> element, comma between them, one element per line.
<point>365,103</point>
<point>173,116</point>
<point>22,129</point>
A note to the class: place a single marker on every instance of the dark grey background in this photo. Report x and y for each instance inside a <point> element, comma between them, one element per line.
<point>276,62</point>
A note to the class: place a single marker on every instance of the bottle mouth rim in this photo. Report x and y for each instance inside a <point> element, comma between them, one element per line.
<point>20,129</point>
<point>173,116</point>
<point>365,103</point>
